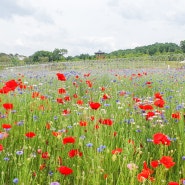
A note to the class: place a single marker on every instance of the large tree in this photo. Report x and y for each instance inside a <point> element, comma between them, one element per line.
<point>182,45</point>
<point>58,54</point>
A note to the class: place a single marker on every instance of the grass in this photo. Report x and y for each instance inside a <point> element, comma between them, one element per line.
<point>25,161</point>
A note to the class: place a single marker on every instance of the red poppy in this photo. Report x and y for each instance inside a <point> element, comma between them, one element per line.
<point>87,75</point>
<point>176,115</point>
<point>74,152</point>
<point>155,163</point>
<point>1,147</point>
<point>66,111</point>
<point>105,97</point>
<point>167,161</point>
<point>173,183</point>
<point>150,115</point>
<point>67,98</point>
<point>64,170</point>
<point>160,138</point>
<point>83,123</point>
<point>106,122</point>
<point>158,96</point>
<point>48,126</point>
<point>60,100</point>
<point>80,102</point>
<point>56,134</point>
<point>61,91</point>
<point>94,105</point>
<point>145,173</point>
<point>6,126</point>
<point>75,96</point>
<point>146,107</point>
<point>67,140</point>
<point>45,155</point>
<point>89,83</point>
<point>159,103</point>
<point>30,134</point>
<point>42,166</point>
<point>12,84</point>
<point>117,151</point>
<point>61,77</point>
<point>35,94</point>
<point>8,106</point>
<point>136,99</point>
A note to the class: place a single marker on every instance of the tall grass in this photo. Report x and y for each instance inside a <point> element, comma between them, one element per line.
<point>131,134</point>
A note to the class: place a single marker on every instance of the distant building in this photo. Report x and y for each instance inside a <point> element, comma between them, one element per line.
<point>100,55</point>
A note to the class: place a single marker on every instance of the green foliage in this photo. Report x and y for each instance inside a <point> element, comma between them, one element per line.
<point>182,45</point>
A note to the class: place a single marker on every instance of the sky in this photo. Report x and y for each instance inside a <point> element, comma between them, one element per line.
<point>86,26</point>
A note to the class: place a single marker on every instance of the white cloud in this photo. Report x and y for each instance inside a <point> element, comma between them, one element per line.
<point>85,26</point>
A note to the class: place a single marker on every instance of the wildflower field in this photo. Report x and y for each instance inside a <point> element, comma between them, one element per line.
<point>92,127</point>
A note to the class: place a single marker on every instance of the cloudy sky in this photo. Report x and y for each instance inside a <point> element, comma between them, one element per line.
<point>85,26</point>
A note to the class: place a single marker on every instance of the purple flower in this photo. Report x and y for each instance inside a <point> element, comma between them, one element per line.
<point>54,183</point>
<point>15,181</point>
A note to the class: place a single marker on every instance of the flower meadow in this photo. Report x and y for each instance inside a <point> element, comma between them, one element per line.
<point>114,127</point>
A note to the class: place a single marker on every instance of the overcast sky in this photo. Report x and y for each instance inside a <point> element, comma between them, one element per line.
<point>86,26</point>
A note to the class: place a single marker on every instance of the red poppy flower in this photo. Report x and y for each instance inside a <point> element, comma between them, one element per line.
<point>66,111</point>
<point>158,96</point>
<point>61,77</point>
<point>106,122</point>
<point>60,100</point>
<point>80,102</point>
<point>159,103</point>
<point>145,173</point>
<point>94,105</point>
<point>67,98</point>
<point>167,161</point>
<point>74,152</point>
<point>12,84</point>
<point>150,115</point>
<point>35,94</point>
<point>105,97</point>
<point>146,107</point>
<point>64,170</point>
<point>155,163</point>
<point>117,151</point>
<point>56,134</point>
<point>67,140</point>
<point>75,96</point>
<point>83,123</point>
<point>5,90</point>
<point>45,155</point>
<point>176,115</point>
<point>8,106</point>
<point>173,183</point>
<point>30,134</point>
<point>48,126</point>
<point>160,138</point>
<point>87,75</point>
<point>61,91</point>
<point>6,126</point>
<point>89,83</point>
<point>1,147</point>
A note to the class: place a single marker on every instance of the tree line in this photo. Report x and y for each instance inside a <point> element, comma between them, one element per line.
<point>158,51</point>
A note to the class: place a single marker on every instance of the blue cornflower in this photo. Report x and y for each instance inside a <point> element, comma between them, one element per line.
<point>54,183</point>
<point>20,152</point>
<point>89,144</point>
<point>15,181</point>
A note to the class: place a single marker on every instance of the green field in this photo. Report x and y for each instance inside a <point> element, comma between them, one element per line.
<point>95,123</point>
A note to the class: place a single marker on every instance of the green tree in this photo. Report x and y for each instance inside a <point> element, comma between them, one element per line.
<point>58,54</point>
<point>182,45</point>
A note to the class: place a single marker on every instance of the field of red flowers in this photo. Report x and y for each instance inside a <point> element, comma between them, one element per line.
<point>114,127</point>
